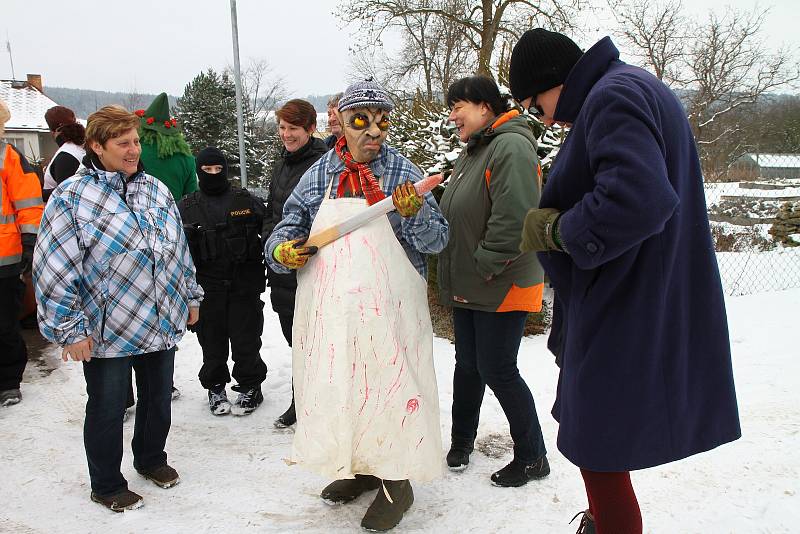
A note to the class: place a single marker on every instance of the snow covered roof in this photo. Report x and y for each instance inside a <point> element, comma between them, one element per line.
<point>27,105</point>
<point>778,161</point>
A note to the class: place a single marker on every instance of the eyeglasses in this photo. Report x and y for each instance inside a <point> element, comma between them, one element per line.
<point>534,110</point>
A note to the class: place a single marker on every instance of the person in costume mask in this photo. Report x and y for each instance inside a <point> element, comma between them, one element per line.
<point>165,153</point>
<point>223,225</point>
<point>362,342</point>
<point>166,156</point>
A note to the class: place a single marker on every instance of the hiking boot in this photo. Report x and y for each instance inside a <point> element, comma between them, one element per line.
<point>347,489</point>
<point>10,396</point>
<point>384,515</point>
<point>163,476</point>
<point>287,418</point>
<point>247,401</point>
<point>519,473</point>
<point>586,526</point>
<point>458,457</point>
<point>120,501</point>
<point>176,393</point>
<point>218,401</point>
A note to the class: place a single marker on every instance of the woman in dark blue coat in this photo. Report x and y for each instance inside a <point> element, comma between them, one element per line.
<point>622,231</point>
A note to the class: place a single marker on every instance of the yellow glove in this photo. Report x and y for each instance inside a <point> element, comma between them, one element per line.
<point>292,254</point>
<point>406,199</point>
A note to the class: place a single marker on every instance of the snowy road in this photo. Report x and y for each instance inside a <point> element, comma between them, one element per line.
<point>234,479</point>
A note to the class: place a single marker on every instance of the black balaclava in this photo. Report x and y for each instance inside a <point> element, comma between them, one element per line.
<point>212,184</point>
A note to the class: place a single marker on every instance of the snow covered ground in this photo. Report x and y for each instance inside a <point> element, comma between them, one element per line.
<point>234,479</point>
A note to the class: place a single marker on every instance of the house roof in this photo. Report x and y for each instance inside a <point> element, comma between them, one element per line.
<point>27,105</point>
<point>774,161</point>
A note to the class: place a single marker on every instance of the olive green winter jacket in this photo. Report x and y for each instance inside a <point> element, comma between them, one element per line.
<point>495,181</point>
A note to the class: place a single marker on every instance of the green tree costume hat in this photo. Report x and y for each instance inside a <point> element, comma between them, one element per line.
<point>157,127</point>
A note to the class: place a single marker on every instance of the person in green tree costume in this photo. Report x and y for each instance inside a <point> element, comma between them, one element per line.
<point>165,153</point>
<point>167,156</point>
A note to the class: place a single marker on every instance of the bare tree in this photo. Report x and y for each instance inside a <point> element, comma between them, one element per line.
<point>656,32</point>
<point>263,88</point>
<point>480,24</point>
<point>730,67</point>
<point>434,52</point>
<point>135,100</point>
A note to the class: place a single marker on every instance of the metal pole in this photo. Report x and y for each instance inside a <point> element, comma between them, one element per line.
<point>237,77</point>
<point>10,57</point>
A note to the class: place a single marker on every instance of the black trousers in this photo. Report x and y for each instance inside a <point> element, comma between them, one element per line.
<point>287,320</point>
<point>235,318</point>
<point>486,355</point>
<point>13,353</point>
<point>107,388</point>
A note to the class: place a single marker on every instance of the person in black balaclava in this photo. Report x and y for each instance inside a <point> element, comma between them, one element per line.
<point>223,226</point>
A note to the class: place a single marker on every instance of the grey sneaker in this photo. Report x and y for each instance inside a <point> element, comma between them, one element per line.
<point>218,401</point>
<point>10,396</point>
<point>247,401</point>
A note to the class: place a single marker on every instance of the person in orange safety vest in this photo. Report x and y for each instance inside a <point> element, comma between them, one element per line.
<point>21,209</point>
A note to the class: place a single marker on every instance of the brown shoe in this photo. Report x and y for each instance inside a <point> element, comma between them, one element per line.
<point>345,490</point>
<point>383,515</point>
<point>120,501</point>
<point>163,476</point>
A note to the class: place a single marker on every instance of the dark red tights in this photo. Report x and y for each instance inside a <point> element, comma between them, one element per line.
<point>612,502</point>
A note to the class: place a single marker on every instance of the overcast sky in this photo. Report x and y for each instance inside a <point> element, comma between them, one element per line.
<point>151,46</point>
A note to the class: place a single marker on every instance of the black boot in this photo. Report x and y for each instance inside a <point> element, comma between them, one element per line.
<point>347,489</point>
<point>586,526</point>
<point>519,473</point>
<point>287,418</point>
<point>384,515</point>
<point>458,457</point>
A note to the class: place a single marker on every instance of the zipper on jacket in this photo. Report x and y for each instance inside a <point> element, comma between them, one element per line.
<point>103,323</point>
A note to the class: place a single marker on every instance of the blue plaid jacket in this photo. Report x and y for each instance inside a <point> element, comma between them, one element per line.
<point>424,233</point>
<point>119,271</point>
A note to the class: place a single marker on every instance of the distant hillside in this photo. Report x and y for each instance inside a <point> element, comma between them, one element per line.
<point>86,101</point>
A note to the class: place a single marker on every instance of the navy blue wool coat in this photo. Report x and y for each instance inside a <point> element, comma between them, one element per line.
<point>639,321</point>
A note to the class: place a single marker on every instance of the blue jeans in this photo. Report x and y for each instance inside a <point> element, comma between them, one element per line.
<point>107,387</point>
<point>487,344</point>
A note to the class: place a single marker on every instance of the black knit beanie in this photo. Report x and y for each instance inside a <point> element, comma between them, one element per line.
<point>541,60</point>
<point>212,184</point>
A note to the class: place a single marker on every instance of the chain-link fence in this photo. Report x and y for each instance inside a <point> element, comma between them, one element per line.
<point>755,222</point>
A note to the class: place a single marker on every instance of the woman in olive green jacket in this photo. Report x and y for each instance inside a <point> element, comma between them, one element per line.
<point>484,277</point>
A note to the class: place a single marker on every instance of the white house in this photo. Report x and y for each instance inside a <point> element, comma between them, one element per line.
<point>754,166</point>
<point>27,129</point>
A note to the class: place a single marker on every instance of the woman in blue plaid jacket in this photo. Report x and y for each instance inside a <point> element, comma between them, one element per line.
<point>116,288</point>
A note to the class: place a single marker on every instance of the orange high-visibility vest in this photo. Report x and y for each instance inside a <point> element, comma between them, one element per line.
<point>21,203</point>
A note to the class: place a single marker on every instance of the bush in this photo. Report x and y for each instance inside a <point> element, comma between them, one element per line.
<point>739,239</point>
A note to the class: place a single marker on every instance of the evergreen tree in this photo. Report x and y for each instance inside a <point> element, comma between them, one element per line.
<point>207,112</point>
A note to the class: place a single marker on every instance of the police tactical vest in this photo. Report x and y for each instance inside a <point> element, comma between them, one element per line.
<point>237,239</point>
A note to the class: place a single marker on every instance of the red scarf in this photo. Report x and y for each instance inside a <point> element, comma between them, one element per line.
<point>357,177</point>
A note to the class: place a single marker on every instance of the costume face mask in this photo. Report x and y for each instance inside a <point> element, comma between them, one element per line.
<point>365,131</point>
<point>212,171</point>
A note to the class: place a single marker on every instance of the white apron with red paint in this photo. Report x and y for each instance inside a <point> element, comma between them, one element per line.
<point>362,345</point>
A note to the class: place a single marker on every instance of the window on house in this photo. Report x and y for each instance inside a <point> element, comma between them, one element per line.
<point>18,142</point>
